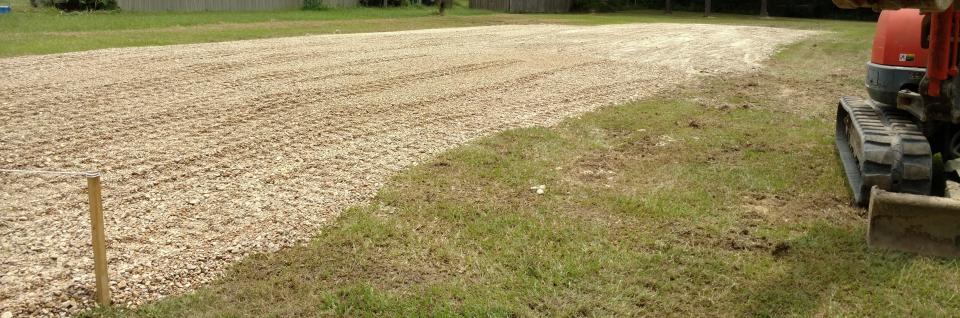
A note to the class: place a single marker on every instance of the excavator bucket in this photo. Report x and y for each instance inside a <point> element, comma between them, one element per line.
<point>914,223</point>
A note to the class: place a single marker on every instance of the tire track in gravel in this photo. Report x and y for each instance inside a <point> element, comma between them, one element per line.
<point>16,90</point>
<point>411,110</point>
<point>118,90</point>
<point>125,90</point>
<point>417,112</point>
<point>235,145</point>
<point>285,101</point>
<point>214,151</point>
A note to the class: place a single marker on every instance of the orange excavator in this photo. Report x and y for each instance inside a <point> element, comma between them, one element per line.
<point>901,147</point>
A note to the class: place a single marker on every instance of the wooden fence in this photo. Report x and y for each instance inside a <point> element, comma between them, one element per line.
<point>523,6</point>
<point>222,5</point>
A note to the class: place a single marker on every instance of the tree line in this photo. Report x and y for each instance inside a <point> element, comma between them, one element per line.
<point>823,9</point>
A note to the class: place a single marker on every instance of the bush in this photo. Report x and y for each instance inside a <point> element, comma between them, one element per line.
<point>598,5</point>
<point>318,4</point>
<point>76,5</point>
<point>313,5</point>
<point>41,3</point>
<point>390,3</point>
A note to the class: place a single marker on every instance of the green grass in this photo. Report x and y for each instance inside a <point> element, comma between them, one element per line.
<point>40,31</point>
<point>43,31</point>
<point>742,211</point>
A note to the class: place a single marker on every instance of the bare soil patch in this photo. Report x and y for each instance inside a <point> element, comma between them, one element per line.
<point>214,151</point>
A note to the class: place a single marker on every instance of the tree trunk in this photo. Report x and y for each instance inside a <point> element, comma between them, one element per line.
<point>763,9</point>
<point>443,6</point>
<point>669,7</point>
<point>706,8</point>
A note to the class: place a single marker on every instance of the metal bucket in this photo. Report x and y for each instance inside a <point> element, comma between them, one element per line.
<point>914,223</point>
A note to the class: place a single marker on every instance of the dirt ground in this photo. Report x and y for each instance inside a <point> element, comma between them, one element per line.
<point>214,151</point>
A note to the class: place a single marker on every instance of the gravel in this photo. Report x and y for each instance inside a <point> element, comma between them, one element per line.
<point>211,152</point>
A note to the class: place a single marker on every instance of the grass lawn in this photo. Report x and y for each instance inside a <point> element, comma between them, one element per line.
<point>721,199</point>
<point>43,31</point>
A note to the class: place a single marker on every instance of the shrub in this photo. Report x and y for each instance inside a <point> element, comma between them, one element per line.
<point>390,3</point>
<point>318,4</point>
<point>313,5</point>
<point>41,3</point>
<point>76,5</point>
<point>597,5</point>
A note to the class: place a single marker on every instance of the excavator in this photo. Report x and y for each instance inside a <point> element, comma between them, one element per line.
<point>900,148</point>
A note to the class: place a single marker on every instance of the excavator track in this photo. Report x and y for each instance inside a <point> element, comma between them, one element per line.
<point>881,146</point>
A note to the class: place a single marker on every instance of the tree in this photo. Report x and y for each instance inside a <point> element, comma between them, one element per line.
<point>763,9</point>
<point>669,8</point>
<point>443,6</point>
<point>706,8</point>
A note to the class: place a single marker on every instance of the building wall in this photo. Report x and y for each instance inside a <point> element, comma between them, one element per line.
<point>522,6</point>
<point>222,5</point>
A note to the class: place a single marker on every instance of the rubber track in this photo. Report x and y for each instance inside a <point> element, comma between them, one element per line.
<point>884,148</point>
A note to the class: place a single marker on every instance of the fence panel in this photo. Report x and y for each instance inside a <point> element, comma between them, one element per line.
<point>522,6</point>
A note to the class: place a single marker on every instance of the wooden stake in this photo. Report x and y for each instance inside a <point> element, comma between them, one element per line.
<point>99,240</point>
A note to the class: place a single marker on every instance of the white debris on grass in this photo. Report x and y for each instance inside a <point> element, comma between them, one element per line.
<point>540,189</point>
<point>664,140</point>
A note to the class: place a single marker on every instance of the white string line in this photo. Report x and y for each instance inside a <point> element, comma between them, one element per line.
<point>88,174</point>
